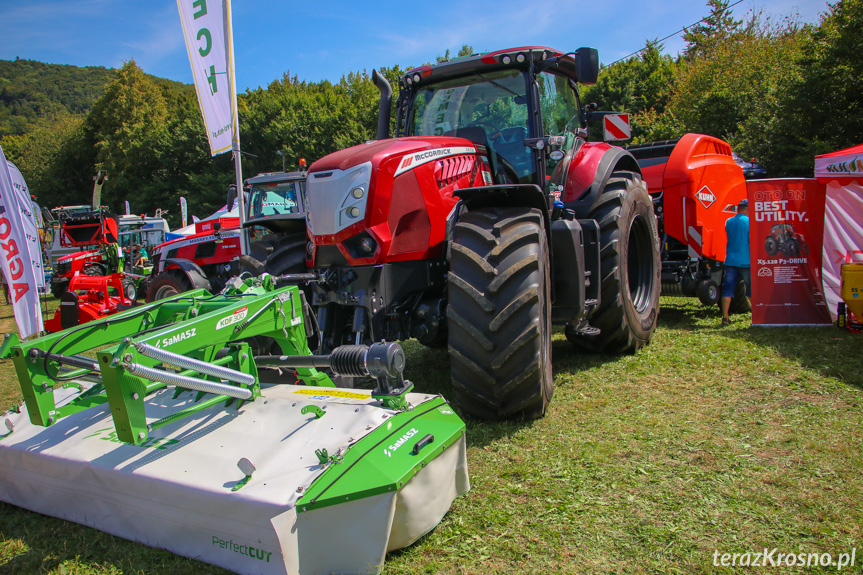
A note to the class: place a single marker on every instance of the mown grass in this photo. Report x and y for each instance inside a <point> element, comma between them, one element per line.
<point>711,438</point>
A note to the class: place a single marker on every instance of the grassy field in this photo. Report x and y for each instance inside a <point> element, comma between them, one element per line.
<point>729,439</point>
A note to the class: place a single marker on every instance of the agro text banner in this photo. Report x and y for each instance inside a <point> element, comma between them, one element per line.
<point>205,31</point>
<point>786,226</point>
<point>19,260</point>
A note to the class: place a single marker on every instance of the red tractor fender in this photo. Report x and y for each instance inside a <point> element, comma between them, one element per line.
<point>196,275</point>
<point>588,169</point>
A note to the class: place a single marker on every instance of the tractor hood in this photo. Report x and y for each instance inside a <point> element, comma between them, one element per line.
<point>387,190</point>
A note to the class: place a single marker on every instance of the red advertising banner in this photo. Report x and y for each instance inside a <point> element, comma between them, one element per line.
<point>786,227</point>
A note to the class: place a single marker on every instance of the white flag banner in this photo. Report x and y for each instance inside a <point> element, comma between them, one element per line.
<point>184,212</point>
<point>20,253</point>
<point>208,39</point>
<point>29,222</point>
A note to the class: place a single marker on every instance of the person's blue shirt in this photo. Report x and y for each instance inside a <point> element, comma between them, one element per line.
<point>737,248</point>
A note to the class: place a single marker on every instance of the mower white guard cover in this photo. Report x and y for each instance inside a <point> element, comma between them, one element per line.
<point>174,491</point>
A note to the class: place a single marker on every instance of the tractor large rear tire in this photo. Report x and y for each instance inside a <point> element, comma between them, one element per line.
<point>499,314</point>
<point>629,268</point>
<point>167,284</point>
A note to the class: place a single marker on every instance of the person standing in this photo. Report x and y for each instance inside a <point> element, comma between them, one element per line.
<point>736,257</point>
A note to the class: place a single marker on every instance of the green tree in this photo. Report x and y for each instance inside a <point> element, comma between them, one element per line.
<point>717,26</point>
<point>822,105</point>
<point>128,127</point>
<point>640,85</point>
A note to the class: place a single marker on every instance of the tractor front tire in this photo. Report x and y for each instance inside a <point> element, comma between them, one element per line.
<point>771,246</point>
<point>499,314</point>
<point>167,284</point>
<point>629,268</point>
<point>289,255</point>
<point>93,270</point>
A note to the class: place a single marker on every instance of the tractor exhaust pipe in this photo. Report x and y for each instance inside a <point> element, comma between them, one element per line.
<point>385,105</point>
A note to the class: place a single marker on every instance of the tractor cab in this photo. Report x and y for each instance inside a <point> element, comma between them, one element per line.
<point>276,202</point>
<point>520,106</point>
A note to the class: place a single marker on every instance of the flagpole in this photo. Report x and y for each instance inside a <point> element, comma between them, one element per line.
<point>235,140</point>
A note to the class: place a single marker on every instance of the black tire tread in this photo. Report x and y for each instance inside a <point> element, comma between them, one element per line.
<point>498,290</point>
<point>617,334</point>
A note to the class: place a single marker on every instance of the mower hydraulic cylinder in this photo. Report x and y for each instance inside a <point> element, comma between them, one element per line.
<point>194,364</point>
<point>187,382</point>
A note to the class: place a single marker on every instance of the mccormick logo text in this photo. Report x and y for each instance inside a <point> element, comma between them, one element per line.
<point>412,161</point>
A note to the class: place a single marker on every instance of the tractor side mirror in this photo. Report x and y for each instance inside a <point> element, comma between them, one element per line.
<point>587,65</point>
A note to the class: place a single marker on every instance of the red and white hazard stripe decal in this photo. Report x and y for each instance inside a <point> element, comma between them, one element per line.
<point>616,127</point>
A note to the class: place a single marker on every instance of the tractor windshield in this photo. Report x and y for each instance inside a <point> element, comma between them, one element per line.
<point>488,109</point>
<point>275,198</point>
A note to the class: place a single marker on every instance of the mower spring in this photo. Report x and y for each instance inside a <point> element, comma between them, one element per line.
<point>194,364</point>
<point>187,382</point>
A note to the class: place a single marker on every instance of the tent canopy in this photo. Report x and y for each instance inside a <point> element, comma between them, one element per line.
<point>843,165</point>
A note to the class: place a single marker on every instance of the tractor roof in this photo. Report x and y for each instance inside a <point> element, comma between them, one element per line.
<point>508,58</point>
<point>270,177</point>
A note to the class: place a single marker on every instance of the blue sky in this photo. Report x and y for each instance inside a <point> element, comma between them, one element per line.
<point>326,39</point>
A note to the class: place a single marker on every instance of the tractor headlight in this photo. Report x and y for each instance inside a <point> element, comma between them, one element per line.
<point>367,246</point>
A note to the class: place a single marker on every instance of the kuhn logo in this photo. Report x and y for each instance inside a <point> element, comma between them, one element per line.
<point>389,450</point>
<point>176,338</point>
<point>706,197</point>
<point>235,317</point>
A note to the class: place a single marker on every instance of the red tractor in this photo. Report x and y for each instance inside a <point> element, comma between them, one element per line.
<point>96,230</point>
<point>783,239</point>
<point>486,221</point>
<point>275,223</point>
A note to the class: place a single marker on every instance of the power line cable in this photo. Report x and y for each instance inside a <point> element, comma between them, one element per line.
<point>670,35</point>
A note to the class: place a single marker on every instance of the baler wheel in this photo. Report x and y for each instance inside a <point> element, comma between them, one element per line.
<point>629,268</point>
<point>499,314</point>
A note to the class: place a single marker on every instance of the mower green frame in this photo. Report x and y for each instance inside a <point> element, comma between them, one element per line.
<point>204,329</point>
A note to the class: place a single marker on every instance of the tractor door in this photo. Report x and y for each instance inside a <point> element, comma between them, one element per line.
<point>560,117</point>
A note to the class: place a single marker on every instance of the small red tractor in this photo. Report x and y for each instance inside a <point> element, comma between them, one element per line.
<point>96,230</point>
<point>783,239</point>
<point>209,258</point>
<point>486,221</point>
<point>696,186</point>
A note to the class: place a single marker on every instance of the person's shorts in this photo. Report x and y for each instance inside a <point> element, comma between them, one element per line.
<point>732,277</point>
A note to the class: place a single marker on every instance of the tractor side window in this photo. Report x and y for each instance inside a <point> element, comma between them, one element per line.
<point>559,118</point>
